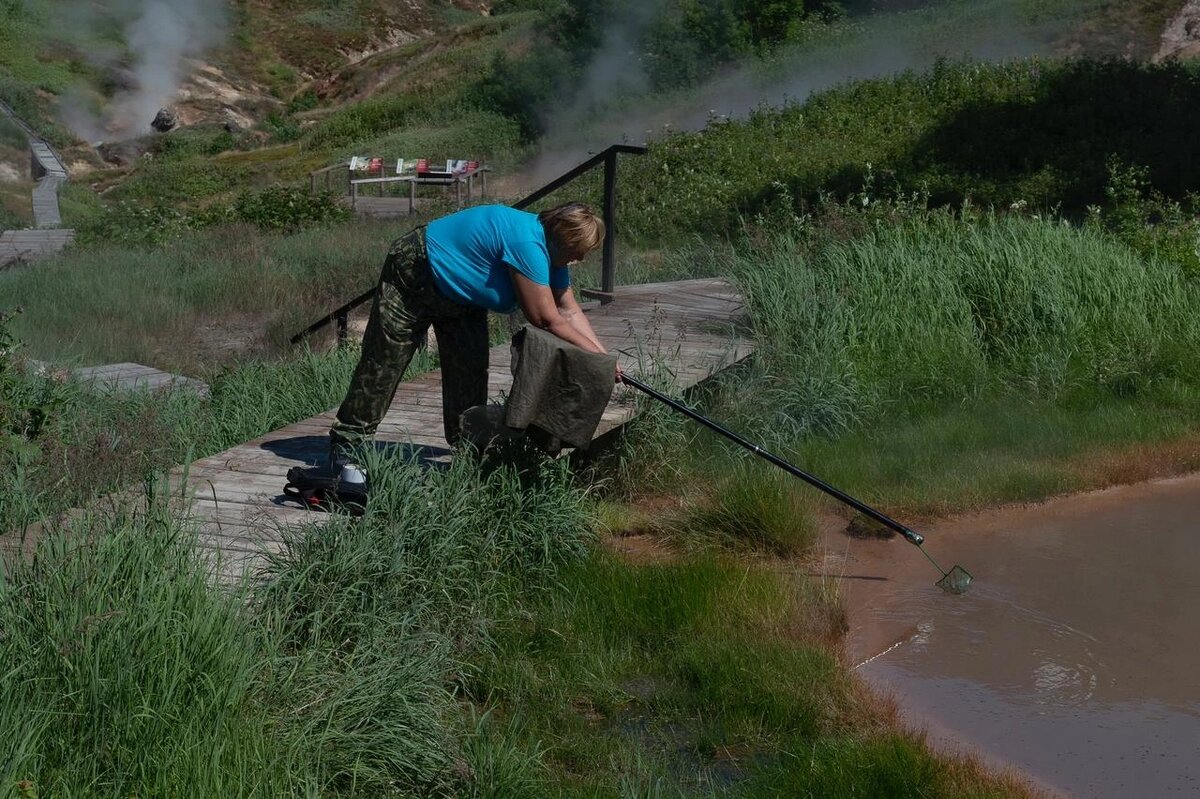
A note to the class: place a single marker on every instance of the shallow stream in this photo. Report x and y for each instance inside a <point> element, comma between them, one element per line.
<point>1075,657</point>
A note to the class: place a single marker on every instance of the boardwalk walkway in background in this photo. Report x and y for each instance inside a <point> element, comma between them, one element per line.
<point>136,377</point>
<point>26,245</point>
<point>45,194</point>
<point>51,173</point>
<point>687,328</point>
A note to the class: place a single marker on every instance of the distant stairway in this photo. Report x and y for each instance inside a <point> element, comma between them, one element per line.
<point>50,173</point>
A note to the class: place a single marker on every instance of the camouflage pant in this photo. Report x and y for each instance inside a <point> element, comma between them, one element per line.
<point>405,306</point>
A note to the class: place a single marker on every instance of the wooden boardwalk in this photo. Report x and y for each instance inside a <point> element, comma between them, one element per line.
<point>136,377</point>
<point>688,328</point>
<point>50,172</point>
<point>125,377</point>
<point>26,245</point>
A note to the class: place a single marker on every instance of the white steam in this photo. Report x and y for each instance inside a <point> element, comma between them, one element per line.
<point>160,37</point>
<point>882,45</point>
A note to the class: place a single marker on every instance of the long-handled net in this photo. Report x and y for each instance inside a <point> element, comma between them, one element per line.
<point>955,581</point>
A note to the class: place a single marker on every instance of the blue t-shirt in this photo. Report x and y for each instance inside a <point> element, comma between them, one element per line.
<point>471,252</point>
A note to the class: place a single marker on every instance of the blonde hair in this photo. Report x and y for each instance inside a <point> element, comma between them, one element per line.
<point>574,228</point>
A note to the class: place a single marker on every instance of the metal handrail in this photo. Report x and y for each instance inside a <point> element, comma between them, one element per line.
<point>608,157</point>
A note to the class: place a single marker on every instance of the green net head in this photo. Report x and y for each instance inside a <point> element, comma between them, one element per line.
<point>956,581</point>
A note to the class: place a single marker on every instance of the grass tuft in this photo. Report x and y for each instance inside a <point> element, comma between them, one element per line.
<point>755,505</point>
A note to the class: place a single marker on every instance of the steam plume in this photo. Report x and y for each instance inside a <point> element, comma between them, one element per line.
<point>877,47</point>
<point>160,36</point>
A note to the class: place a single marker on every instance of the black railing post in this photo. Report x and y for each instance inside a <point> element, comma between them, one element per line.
<point>343,326</point>
<point>609,270</point>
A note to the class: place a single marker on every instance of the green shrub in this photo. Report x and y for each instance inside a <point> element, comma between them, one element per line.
<point>287,209</point>
<point>11,135</point>
<point>9,220</point>
<point>281,208</point>
<point>191,142</point>
<point>304,101</point>
<point>78,204</point>
<point>1145,219</point>
<point>521,89</point>
<point>676,43</point>
<point>178,180</point>
<point>282,128</point>
<point>364,120</point>
<point>25,403</point>
<point>24,69</point>
<point>128,222</point>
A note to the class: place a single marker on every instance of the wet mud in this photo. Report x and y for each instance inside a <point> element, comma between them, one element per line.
<point>1075,656</point>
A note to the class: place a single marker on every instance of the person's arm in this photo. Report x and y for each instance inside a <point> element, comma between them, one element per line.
<point>537,303</point>
<point>568,306</point>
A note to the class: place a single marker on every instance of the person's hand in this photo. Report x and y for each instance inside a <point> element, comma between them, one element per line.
<point>620,374</point>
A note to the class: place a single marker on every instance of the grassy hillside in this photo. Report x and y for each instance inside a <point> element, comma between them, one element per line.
<point>415,100</point>
<point>441,80</point>
<point>16,205</point>
<point>283,44</point>
<point>1038,133</point>
<point>280,45</point>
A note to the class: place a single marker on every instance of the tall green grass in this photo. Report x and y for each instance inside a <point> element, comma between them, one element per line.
<point>939,309</point>
<point>184,303</point>
<point>930,363</point>
<point>697,678</point>
<point>127,672</point>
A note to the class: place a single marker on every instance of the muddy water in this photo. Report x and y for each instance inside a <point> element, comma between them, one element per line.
<point>1075,657</point>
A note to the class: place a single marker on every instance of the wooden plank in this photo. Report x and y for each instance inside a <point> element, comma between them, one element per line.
<point>227,536</point>
<point>409,403</point>
<point>705,299</point>
<point>616,333</point>
<point>136,377</point>
<point>237,498</point>
<point>402,414</point>
<point>688,352</point>
<point>285,450</point>
<point>692,301</point>
<point>716,297</point>
<point>392,424</point>
<point>668,316</point>
<point>230,565</point>
<point>149,381</point>
<point>253,515</point>
<point>111,370</point>
<point>255,479</point>
<point>263,477</point>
